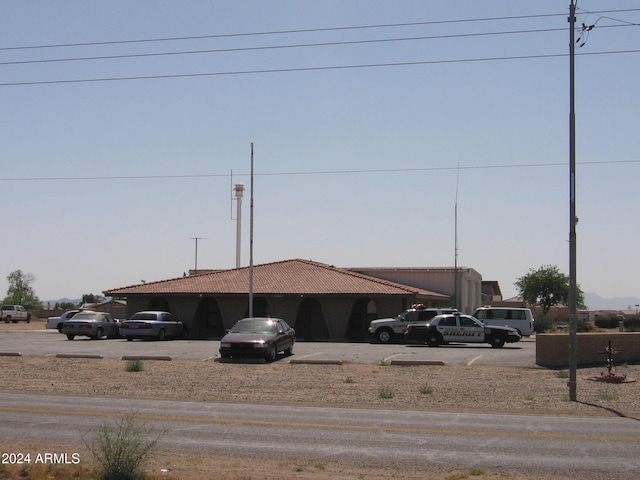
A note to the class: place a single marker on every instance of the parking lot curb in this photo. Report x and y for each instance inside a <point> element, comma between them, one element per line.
<point>316,362</point>
<point>10,354</point>
<point>417,362</point>
<point>77,355</point>
<point>147,357</point>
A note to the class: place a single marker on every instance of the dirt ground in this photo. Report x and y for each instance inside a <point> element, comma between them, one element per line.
<point>525,391</point>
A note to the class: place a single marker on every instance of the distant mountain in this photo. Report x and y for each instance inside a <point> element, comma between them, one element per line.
<point>596,302</point>
<point>51,303</point>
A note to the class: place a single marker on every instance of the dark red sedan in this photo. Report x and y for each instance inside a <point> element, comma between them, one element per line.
<point>258,337</point>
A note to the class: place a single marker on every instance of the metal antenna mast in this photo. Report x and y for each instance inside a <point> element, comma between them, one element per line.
<point>196,239</point>
<point>251,241</point>
<point>455,260</point>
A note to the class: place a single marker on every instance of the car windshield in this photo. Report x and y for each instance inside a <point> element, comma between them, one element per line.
<point>85,316</point>
<point>254,326</point>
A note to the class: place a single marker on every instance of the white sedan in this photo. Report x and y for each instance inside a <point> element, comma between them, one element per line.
<point>55,323</point>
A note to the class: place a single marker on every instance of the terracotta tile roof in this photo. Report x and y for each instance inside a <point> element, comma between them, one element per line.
<point>288,277</point>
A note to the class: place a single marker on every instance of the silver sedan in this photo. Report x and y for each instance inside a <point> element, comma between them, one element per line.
<point>152,324</point>
<point>91,324</point>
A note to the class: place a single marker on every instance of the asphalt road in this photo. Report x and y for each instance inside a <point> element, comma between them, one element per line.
<point>568,446</point>
<point>50,342</point>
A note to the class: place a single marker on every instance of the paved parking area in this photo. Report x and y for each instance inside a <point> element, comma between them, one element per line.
<point>51,343</point>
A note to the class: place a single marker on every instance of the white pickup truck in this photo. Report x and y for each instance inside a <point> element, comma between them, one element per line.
<point>14,313</point>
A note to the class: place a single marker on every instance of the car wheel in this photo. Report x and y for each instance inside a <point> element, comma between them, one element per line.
<point>70,336</point>
<point>271,356</point>
<point>384,336</point>
<point>59,328</point>
<point>497,341</point>
<point>99,334</point>
<point>161,335</point>
<point>129,339</point>
<point>289,351</point>
<point>433,339</point>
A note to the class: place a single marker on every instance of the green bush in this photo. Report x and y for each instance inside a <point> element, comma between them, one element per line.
<point>584,326</point>
<point>134,366</point>
<point>542,324</point>
<point>632,324</point>
<point>602,321</point>
<point>386,393</point>
<point>121,449</point>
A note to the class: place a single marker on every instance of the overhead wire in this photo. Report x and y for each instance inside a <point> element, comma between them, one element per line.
<point>277,32</point>
<point>318,172</point>
<point>297,45</point>
<point>306,30</point>
<point>309,69</point>
<point>300,69</point>
<point>276,47</point>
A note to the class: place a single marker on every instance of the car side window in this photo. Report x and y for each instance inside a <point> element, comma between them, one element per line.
<point>467,322</point>
<point>411,317</point>
<point>448,322</point>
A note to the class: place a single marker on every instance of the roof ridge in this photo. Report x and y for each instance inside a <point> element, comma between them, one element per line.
<point>200,281</point>
<point>361,275</point>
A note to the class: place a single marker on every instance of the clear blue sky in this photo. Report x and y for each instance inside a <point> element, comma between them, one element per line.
<point>359,143</point>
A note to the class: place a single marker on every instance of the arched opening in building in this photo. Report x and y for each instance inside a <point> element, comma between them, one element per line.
<point>208,320</point>
<point>310,322</point>
<point>261,308</point>
<point>364,310</point>
<point>159,303</point>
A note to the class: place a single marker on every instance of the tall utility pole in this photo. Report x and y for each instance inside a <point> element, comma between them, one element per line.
<point>573,288</point>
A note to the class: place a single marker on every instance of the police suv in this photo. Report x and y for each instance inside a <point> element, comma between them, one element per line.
<point>444,329</point>
<point>385,329</point>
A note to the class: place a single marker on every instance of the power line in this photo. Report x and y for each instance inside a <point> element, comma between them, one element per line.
<point>310,69</point>
<point>306,30</point>
<point>276,47</point>
<point>285,32</point>
<point>318,172</point>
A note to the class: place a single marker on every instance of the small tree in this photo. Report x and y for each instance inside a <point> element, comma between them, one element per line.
<point>20,291</point>
<point>546,287</point>
<point>91,298</point>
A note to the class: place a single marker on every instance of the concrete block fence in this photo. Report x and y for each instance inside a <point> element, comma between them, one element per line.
<point>552,349</point>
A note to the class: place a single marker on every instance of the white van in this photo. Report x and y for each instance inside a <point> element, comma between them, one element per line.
<point>519,318</point>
